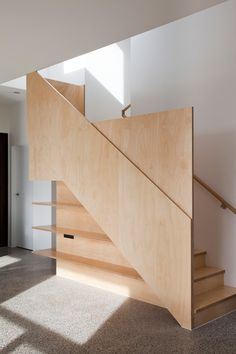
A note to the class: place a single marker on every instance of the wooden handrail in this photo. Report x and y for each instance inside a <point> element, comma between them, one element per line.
<point>224,203</point>
<point>124,110</point>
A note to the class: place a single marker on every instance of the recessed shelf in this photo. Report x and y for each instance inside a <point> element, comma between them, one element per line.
<point>63,230</point>
<point>109,267</point>
<point>58,204</point>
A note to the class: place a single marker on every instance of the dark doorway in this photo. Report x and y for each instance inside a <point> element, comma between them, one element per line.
<point>3,190</point>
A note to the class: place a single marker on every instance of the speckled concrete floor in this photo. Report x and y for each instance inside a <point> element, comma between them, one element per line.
<point>42,313</point>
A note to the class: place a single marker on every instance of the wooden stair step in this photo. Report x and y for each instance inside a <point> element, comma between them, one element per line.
<point>206,272</point>
<point>207,279</point>
<point>199,259</point>
<point>213,304</point>
<point>198,252</point>
<point>213,297</point>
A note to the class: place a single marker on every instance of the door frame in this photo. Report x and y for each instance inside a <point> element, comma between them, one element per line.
<point>8,190</point>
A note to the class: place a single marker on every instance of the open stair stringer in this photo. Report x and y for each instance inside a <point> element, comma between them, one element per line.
<point>147,227</point>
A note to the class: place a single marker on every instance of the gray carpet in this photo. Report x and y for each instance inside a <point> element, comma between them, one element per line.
<point>42,313</point>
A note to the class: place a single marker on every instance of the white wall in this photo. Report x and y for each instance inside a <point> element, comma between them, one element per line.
<point>18,129</point>
<point>4,118</point>
<point>107,83</point>
<point>57,72</point>
<point>13,122</point>
<point>42,215</point>
<point>192,62</point>
<point>105,73</point>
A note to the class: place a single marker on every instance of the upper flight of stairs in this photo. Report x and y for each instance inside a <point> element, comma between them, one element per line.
<point>131,231</point>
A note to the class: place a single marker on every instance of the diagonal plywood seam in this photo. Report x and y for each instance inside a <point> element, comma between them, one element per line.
<point>188,214</point>
<point>100,127</point>
<point>160,145</point>
<point>152,232</point>
<point>73,93</point>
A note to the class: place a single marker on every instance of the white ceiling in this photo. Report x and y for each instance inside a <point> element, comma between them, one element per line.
<point>10,95</point>
<point>35,34</point>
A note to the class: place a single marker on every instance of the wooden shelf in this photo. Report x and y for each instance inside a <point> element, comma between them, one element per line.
<point>50,253</point>
<point>109,267</point>
<point>58,204</point>
<point>62,230</point>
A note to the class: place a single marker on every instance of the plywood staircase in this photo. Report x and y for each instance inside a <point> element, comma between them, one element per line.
<point>124,209</point>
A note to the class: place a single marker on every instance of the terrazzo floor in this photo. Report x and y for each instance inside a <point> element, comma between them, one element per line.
<point>42,313</point>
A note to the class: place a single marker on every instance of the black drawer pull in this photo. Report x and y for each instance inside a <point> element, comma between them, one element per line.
<point>69,236</point>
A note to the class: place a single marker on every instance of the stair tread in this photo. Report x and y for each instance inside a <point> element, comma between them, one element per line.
<point>105,266</point>
<point>206,272</point>
<point>212,297</point>
<point>198,252</point>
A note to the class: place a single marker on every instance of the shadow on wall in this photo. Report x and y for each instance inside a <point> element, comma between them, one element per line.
<point>214,227</point>
<point>106,77</point>
<point>99,102</point>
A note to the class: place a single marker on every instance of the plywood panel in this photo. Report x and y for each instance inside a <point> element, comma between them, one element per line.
<point>160,144</point>
<point>64,195</point>
<point>101,250</point>
<point>151,232</point>
<point>73,93</point>
<point>76,218</point>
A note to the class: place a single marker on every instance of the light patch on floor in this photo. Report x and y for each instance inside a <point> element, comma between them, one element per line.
<point>7,260</point>
<point>9,331</point>
<point>73,310</point>
<point>26,348</point>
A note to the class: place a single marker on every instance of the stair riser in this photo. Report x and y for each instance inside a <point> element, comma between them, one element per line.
<point>204,285</point>
<point>199,261</point>
<point>99,250</point>
<point>214,311</point>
